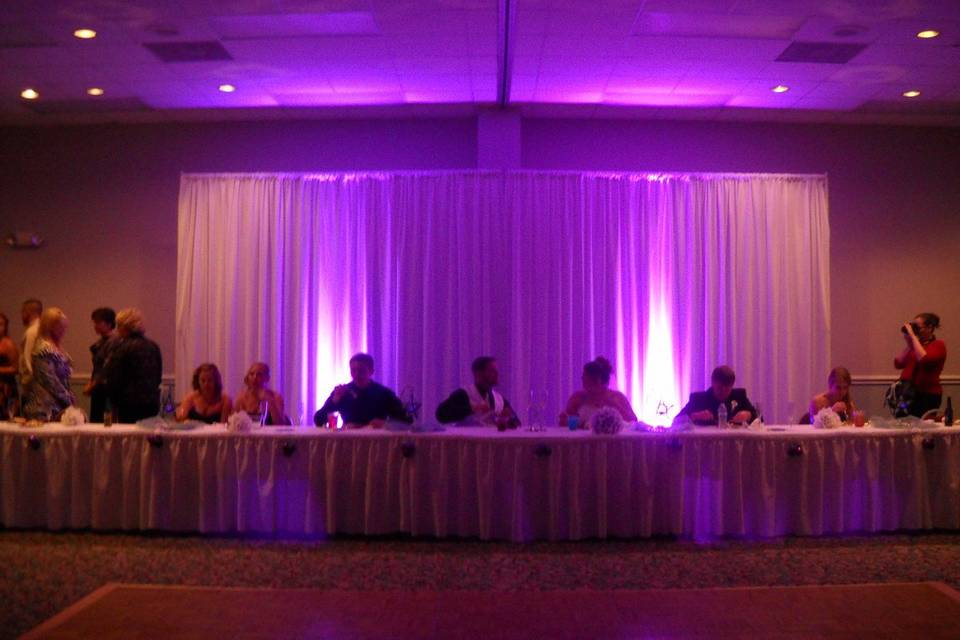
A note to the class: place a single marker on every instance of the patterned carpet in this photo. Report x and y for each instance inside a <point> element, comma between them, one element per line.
<point>41,573</point>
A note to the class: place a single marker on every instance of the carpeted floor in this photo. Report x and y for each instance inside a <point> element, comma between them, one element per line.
<point>829,612</point>
<point>41,573</point>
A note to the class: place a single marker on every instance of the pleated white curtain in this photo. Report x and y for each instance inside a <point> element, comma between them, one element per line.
<point>666,275</point>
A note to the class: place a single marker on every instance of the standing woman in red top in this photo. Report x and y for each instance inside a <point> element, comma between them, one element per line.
<point>921,362</point>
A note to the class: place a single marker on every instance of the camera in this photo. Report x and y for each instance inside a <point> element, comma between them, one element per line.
<point>914,326</point>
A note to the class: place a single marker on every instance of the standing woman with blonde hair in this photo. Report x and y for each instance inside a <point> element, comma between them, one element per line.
<point>49,392</point>
<point>133,370</point>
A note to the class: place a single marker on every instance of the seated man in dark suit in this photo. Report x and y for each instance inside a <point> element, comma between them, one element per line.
<point>703,405</point>
<point>363,402</point>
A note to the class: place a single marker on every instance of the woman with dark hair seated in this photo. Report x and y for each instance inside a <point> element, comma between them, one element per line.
<point>207,403</point>
<point>921,363</point>
<point>836,397</point>
<point>596,394</point>
<point>257,398</point>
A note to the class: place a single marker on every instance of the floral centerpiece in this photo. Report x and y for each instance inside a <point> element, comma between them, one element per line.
<point>827,418</point>
<point>606,421</point>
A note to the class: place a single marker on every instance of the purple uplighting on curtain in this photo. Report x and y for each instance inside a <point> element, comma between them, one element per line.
<point>665,274</point>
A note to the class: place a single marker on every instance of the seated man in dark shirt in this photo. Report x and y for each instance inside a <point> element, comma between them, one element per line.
<point>479,403</point>
<point>703,405</point>
<point>363,402</point>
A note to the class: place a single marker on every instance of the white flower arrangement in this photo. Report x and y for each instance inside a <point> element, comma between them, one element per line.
<point>827,418</point>
<point>73,417</point>
<point>606,421</point>
<point>240,422</point>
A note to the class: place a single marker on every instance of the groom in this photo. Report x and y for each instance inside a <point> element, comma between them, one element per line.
<point>479,403</point>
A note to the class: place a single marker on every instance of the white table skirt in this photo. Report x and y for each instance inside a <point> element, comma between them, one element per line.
<point>556,485</point>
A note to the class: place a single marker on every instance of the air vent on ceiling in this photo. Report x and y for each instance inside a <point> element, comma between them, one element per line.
<point>100,105</point>
<point>821,52</point>
<point>203,51</point>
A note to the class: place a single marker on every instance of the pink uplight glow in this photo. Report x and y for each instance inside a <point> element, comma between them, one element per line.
<point>665,100</point>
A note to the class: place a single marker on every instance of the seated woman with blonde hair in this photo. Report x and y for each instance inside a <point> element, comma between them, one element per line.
<point>596,394</point>
<point>207,403</point>
<point>261,402</point>
<point>49,395</point>
<point>836,397</point>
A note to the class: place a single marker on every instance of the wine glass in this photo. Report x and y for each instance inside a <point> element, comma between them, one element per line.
<point>410,403</point>
<point>535,408</point>
<point>262,410</point>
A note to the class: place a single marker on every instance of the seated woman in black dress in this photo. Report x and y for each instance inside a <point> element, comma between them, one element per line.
<point>207,403</point>
<point>256,396</point>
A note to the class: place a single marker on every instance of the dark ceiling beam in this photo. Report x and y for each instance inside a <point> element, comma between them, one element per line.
<point>506,22</point>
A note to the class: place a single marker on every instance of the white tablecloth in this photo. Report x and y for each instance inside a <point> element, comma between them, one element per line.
<point>519,485</point>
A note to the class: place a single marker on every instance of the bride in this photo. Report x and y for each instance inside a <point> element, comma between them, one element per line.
<point>596,394</point>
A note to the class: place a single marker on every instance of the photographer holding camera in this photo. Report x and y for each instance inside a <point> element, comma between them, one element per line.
<point>921,363</point>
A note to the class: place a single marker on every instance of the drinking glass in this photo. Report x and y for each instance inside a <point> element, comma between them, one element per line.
<point>535,408</point>
<point>410,403</point>
<point>263,409</point>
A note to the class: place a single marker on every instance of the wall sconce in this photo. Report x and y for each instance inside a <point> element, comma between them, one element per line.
<point>24,240</point>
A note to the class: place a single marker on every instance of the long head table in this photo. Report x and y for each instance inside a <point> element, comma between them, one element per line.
<point>477,482</point>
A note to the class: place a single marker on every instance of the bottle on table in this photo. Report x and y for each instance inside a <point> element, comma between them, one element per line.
<point>108,413</point>
<point>948,414</point>
<point>722,418</point>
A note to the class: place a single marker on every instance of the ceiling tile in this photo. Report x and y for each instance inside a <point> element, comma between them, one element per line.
<point>716,25</point>
<point>909,54</point>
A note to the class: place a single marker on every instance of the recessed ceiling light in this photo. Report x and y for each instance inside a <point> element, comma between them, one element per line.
<point>85,34</point>
<point>780,88</point>
<point>928,33</point>
<point>227,88</point>
<point>95,91</point>
<point>29,94</point>
<point>913,93</point>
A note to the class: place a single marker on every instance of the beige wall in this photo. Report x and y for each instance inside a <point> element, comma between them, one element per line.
<point>894,208</point>
<point>105,199</point>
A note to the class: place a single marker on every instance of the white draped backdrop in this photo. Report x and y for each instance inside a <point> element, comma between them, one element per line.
<point>665,274</point>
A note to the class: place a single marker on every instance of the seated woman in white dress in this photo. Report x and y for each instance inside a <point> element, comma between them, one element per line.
<point>596,394</point>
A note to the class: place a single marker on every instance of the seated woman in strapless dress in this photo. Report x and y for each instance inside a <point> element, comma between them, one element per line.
<point>836,397</point>
<point>256,393</point>
<point>207,403</point>
<point>596,394</point>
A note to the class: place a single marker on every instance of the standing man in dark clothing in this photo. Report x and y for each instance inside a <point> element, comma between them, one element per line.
<point>104,323</point>
<point>479,403</point>
<point>363,402</point>
<point>134,370</point>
